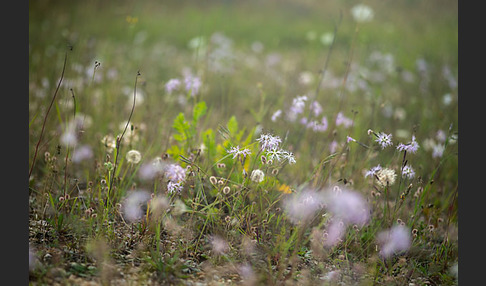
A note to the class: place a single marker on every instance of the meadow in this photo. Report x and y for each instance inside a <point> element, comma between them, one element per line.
<point>243,142</point>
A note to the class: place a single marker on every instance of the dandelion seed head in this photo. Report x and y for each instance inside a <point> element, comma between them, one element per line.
<point>257,176</point>
<point>133,157</point>
<point>386,177</point>
<point>362,13</point>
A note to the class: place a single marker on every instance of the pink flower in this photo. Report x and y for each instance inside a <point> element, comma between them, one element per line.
<point>395,240</point>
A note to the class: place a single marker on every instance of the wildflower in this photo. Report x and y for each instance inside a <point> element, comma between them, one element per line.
<point>395,240</point>
<point>302,206</point>
<point>284,189</point>
<point>82,153</point>
<point>247,274</point>
<point>172,84</point>
<point>335,231</point>
<point>343,120</point>
<point>327,38</point>
<point>175,173</point>
<point>306,78</point>
<point>69,138</point>
<point>408,172</point>
<point>274,155</point>
<point>226,190</point>
<point>333,146</point>
<point>109,142</point>
<point>373,171</point>
<point>174,187</point>
<point>350,139</point>
<point>269,142</point>
<point>386,177</point>
<point>213,180</point>
<point>257,176</point>
<point>133,157</point>
<point>289,156</point>
<point>316,108</point>
<point>192,84</point>
<point>237,152</point>
<point>149,170</point>
<point>410,147</point>
<point>297,107</point>
<point>133,205</point>
<point>437,151</point>
<point>349,206</point>
<point>218,245</point>
<point>384,139</point>
<point>276,115</point>
<point>362,13</point>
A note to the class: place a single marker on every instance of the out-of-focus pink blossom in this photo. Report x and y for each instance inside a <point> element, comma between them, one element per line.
<point>395,240</point>
<point>347,205</point>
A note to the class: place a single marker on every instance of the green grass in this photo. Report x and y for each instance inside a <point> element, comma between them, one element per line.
<point>79,222</point>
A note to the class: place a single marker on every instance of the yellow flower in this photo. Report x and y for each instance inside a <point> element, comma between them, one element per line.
<point>131,20</point>
<point>285,189</point>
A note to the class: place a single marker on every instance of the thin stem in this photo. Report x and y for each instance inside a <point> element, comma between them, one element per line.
<point>119,139</point>
<point>47,113</point>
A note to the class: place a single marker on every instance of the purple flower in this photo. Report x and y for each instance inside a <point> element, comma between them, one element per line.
<point>175,173</point>
<point>298,105</point>
<point>343,120</point>
<point>349,139</point>
<point>316,108</point>
<point>235,151</point>
<point>373,171</point>
<point>410,147</point>
<point>174,187</point>
<point>192,84</point>
<point>172,84</point>
<point>438,151</point>
<point>408,172</point>
<point>384,139</point>
<point>276,115</point>
<point>269,142</point>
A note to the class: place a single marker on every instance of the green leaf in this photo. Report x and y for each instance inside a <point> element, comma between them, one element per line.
<point>232,125</point>
<point>199,110</point>
<point>182,127</point>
